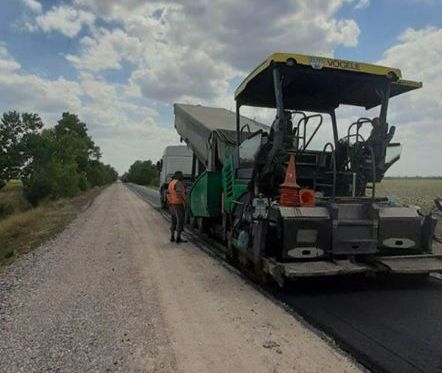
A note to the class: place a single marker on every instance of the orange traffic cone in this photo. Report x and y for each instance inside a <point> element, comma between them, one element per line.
<point>289,190</point>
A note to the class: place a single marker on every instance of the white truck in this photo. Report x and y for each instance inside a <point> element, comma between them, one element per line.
<point>175,158</point>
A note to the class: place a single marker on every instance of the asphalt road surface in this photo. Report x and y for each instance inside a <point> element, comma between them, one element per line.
<point>388,324</point>
<point>150,195</point>
<point>392,325</point>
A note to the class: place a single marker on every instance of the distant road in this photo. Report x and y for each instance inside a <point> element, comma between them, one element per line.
<point>149,194</point>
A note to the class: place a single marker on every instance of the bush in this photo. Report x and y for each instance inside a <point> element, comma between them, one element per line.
<point>12,199</point>
<point>83,183</point>
<point>143,173</point>
<point>64,180</point>
<point>55,180</point>
<point>99,174</point>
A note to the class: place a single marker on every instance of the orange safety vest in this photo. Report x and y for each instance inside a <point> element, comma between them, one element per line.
<point>173,197</point>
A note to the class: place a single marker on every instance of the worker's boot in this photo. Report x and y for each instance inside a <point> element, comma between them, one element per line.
<point>179,239</point>
<point>172,237</point>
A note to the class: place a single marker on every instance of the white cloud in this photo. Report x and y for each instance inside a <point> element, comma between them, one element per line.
<point>417,114</point>
<point>125,131</point>
<point>65,19</point>
<point>121,128</point>
<point>106,50</point>
<point>115,9</point>
<point>362,4</point>
<point>170,51</point>
<point>33,5</point>
<point>7,63</point>
<point>122,145</point>
<point>29,92</point>
<point>190,51</point>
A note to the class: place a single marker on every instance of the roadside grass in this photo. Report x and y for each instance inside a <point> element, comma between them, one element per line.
<point>23,231</point>
<point>12,199</point>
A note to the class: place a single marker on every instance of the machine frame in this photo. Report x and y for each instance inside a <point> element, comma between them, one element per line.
<point>326,225</point>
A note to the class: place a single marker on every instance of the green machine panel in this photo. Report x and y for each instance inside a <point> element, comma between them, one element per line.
<point>231,187</point>
<point>205,196</point>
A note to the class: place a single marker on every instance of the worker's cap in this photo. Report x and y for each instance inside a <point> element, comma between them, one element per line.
<point>178,174</point>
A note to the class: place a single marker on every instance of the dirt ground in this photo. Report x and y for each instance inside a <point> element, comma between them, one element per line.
<point>112,294</point>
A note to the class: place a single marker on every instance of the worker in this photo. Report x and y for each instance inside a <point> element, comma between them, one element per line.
<point>380,132</point>
<point>176,197</point>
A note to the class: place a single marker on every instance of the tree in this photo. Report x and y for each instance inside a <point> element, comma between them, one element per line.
<point>52,163</point>
<point>15,129</point>
<point>143,173</point>
<point>100,174</point>
<point>76,144</point>
<point>47,175</point>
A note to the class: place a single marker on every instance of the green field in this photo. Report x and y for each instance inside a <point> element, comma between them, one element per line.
<point>411,191</point>
<point>414,191</point>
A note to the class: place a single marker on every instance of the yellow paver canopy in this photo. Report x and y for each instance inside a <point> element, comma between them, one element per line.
<point>320,83</point>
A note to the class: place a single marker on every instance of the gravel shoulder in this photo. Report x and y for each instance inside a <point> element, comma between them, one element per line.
<point>111,293</point>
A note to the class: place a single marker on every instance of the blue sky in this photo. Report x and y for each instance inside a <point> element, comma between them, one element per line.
<point>121,65</point>
<point>382,21</point>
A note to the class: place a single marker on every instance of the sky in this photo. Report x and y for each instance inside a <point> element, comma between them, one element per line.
<point>122,64</point>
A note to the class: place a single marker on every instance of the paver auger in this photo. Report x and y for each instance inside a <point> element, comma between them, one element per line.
<point>286,210</point>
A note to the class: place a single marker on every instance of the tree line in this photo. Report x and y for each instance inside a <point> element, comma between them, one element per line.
<point>143,173</point>
<point>52,162</point>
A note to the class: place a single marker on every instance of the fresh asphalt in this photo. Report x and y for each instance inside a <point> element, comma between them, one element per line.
<point>388,324</point>
<point>148,194</point>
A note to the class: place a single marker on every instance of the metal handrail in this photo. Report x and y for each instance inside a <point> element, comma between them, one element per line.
<point>373,170</point>
<point>328,145</point>
<point>245,126</point>
<point>304,121</point>
<point>358,125</point>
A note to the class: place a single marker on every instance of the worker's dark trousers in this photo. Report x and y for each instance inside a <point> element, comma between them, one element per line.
<point>177,214</point>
